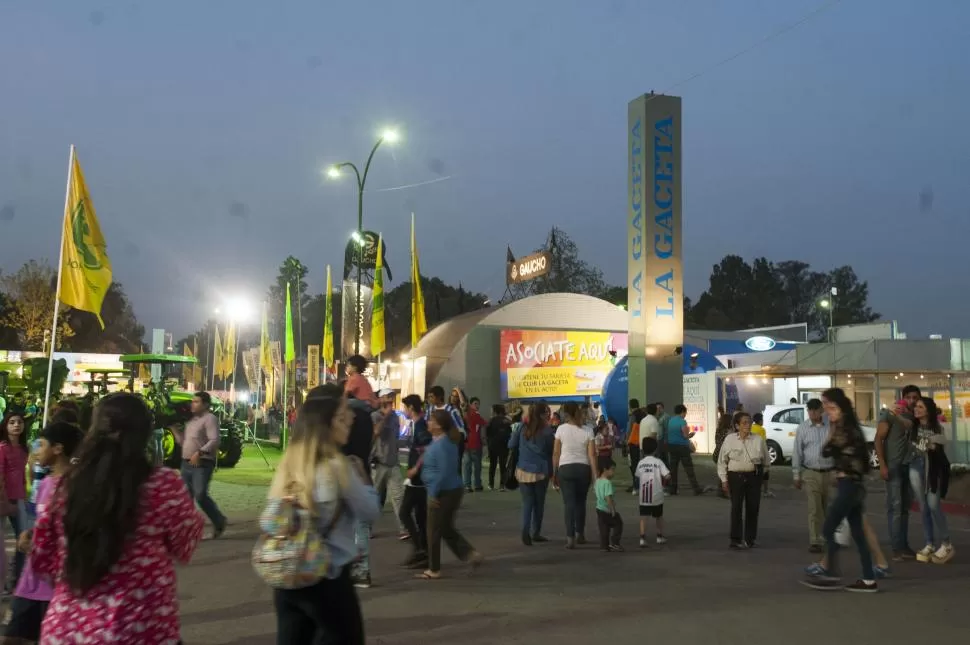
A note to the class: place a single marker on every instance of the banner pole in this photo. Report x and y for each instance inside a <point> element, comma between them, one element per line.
<point>57,289</point>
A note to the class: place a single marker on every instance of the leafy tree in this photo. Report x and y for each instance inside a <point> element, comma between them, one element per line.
<point>441,302</point>
<point>8,335</point>
<point>122,332</point>
<point>294,273</point>
<point>30,309</point>
<point>569,273</point>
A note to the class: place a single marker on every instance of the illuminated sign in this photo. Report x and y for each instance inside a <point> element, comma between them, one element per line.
<point>760,343</point>
<point>528,268</point>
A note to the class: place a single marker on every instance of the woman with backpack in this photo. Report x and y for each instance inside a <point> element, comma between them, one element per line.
<point>315,477</point>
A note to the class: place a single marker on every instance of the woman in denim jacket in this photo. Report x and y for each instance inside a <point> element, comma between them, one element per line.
<point>533,442</point>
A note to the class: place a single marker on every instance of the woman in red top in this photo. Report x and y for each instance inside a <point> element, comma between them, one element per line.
<point>13,475</point>
<point>111,534</point>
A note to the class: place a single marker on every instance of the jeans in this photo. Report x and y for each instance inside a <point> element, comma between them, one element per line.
<point>472,463</point>
<point>745,491</point>
<point>441,526</point>
<point>498,458</point>
<point>414,516</point>
<point>680,454</point>
<point>360,569</point>
<point>611,528</point>
<point>574,480</point>
<point>17,523</point>
<point>899,497</point>
<point>934,519</point>
<point>197,480</point>
<point>634,460</point>
<point>389,481</point>
<point>533,506</point>
<point>327,612</point>
<point>848,505</point>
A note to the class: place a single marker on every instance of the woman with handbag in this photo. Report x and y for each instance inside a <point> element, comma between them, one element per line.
<point>331,490</point>
<point>13,475</point>
<point>742,467</point>
<point>533,443</point>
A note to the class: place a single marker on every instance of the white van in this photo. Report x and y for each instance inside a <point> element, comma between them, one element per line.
<point>781,421</point>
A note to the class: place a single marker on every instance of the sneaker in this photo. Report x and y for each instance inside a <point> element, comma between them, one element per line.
<point>468,489</point>
<point>539,538</point>
<point>861,586</point>
<point>570,543</point>
<point>815,548</point>
<point>661,539</point>
<point>822,583</point>
<point>616,548</point>
<point>502,489</point>
<point>816,570</point>
<point>362,582</point>
<point>643,542</point>
<point>738,546</point>
<point>944,554</point>
<point>925,554</point>
<point>881,572</point>
<point>750,544</point>
<point>403,536</point>
<point>526,539</point>
<point>580,539</point>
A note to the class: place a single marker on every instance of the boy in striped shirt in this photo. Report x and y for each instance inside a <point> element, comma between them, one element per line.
<point>652,474</point>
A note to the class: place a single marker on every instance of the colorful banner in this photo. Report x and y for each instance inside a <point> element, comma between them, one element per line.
<point>541,364</point>
<point>312,366</point>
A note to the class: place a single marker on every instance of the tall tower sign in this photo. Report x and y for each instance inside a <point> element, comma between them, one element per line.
<point>655,280</point>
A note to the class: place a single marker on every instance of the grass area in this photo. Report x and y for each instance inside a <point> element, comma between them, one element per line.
<point>251,469</point>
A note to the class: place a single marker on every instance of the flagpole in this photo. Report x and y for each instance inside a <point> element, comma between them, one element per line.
<point>57,290</point>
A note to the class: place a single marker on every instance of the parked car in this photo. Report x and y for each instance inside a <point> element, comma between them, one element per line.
<point>781,421</point>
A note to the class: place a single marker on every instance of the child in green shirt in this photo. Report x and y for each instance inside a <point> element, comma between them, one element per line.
<point>610,522</point>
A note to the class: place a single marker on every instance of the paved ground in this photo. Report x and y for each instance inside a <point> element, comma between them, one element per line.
<point>691,591</point>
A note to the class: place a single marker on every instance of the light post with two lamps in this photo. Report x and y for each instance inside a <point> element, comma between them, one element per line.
<point>390,136</point>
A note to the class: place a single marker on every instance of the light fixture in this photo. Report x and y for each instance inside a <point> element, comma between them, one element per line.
<point>901,374</point>
<point>621,307</point>
<point>694,355</point>
<point>391,136</point>
<point>333,172</point>
<point>824,303</point>
<point>357,237</point>
<point>921,376</point>
<point>404,356</point>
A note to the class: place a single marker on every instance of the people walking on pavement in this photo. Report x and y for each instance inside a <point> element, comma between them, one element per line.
<point>929,474</point>
<point>812,472</point>
<point>436,401</point>
<point>741,466</point>
<point>533,443</point>
<point>200,449</point>
<point>680,449</point>
<point>608,519</point>
<point>574,469</point>
<point>414,506</point>
<point>894,450</point>
<point>440,475</point>
<point>497,435</point>
<point>316,473</point>
<point>880,564</point>
<point>652,473</point>
<point>111,534</point>
<point>846,446</point>
<point>472,459</point>
<point>388,481</point>
<point>633,444</point>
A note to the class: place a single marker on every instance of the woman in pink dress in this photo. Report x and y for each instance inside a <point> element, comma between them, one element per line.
<point>111,535</point>
<point>13,475</point>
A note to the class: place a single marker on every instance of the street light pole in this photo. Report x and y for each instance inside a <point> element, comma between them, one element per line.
<point>390,136</point>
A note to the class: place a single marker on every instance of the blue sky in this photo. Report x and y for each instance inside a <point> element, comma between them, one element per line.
<point>204,128</point>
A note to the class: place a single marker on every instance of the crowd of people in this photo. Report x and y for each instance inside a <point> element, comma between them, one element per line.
<point>102,529</point>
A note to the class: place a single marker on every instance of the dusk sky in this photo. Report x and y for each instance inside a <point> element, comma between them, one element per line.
<point>204,129</point>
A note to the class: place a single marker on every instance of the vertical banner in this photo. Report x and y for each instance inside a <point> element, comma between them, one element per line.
<point>348,325</point>
<point>312,366</point>
<point>700,397</point>
<point>654,249</point>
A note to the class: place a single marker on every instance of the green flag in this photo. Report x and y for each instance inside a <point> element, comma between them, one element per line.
<point>290,350</point>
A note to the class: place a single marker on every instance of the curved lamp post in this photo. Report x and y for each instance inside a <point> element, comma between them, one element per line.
<point>390,136</point>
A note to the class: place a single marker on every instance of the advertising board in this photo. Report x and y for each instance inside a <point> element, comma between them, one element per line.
<point>535,364</point>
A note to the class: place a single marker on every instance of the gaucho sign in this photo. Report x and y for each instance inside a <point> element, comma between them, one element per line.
<point>528,268</point>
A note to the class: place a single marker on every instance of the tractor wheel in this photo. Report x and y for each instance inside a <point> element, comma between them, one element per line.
<point>171,450</point>
<point>230,447</point>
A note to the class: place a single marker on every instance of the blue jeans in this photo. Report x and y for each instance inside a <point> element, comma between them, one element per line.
<point>934,519</point>
<point>360,568</point>
<point>197,480</point>
<point>533,506</point>
<point>848,505</point>
<point>574,481</point>
<point>899,497</point>
<point>472,461</point>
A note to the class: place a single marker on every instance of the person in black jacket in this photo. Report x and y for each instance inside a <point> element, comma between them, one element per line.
<point>414,505</point>
<point>497,435</point>
<point>358,445</point>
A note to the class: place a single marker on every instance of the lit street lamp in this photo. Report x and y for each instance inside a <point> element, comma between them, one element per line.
<point>390,136</point>
<point>828,302</point>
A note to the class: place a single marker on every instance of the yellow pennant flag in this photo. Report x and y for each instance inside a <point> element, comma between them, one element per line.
<point>419,324</point>
<point>85,271</point>
<point>377,339</point>
<point>328,325</point>
<point>219,357</point>
<point>229,353</point>
<point>187,369</point>
<point>265,360</point>
<point>197,368</point>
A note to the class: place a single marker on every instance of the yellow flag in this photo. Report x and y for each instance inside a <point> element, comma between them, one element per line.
<point>197,368</point>
<point>187,370</point>
<point>229,353</point>
<point>265,360</point>
<point>377,340</point>
<point>328,325</point>
<point>219,359</point>
<point>85,271</point>
<point>419,324</point>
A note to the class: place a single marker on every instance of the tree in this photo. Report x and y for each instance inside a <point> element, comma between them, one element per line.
<point>441,301</point>
<point>8,335</point>
<point>294,273</point>
<point>122,332</point>
<point>569,273</point>
<point>30,309</point>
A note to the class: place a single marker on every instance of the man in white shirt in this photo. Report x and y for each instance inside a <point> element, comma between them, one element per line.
<point>813,471</point>
<point>650,426</point>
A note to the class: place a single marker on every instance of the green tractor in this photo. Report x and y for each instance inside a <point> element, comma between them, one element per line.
<point>172,407</point>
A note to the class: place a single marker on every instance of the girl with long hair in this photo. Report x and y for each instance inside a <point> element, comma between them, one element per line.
<point>316,475</point>
<point>574,469</point>
<point>742,465</point>
<point>111,534</point>
<point>13,475</point>
<point>846,446</point>
<point>533,442</point>
<point>440,474</point>
<point>929,474</point>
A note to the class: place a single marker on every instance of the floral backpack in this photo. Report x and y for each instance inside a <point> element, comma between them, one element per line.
<point>292,553</point>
